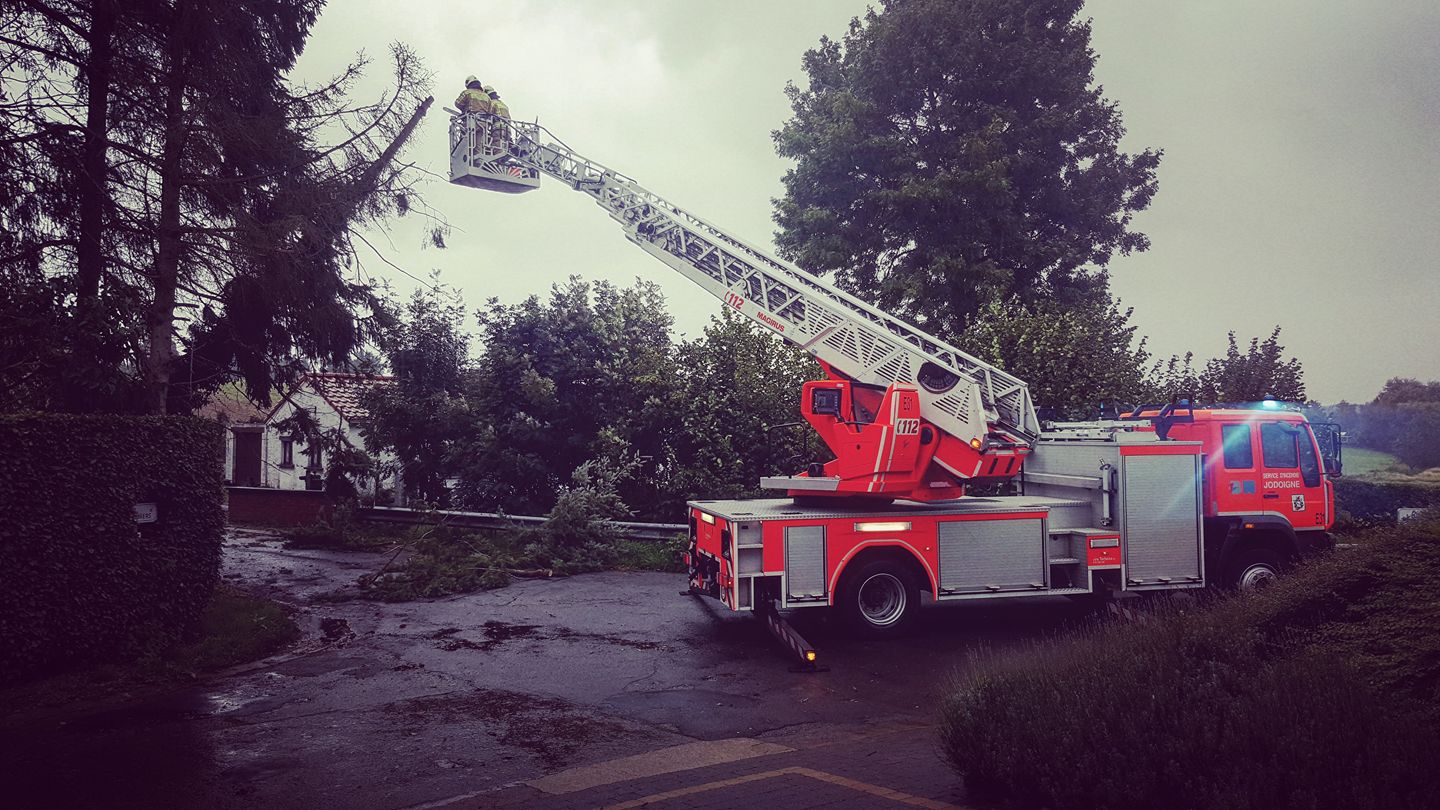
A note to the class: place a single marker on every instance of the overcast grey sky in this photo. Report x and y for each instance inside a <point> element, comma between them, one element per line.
<point>1300,185</point>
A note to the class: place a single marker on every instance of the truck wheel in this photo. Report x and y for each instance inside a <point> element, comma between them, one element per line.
<point>878,599</point>
<point>1252,569</point>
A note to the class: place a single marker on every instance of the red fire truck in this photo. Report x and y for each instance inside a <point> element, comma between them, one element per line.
<point>1159,499</point>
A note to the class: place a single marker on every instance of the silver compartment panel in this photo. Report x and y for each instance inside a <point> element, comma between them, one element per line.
<point>805,562</point>
<point>989,556</point>
<point>1162,518</point>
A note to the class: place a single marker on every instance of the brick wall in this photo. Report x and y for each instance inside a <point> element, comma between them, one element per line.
<point>278,507</point>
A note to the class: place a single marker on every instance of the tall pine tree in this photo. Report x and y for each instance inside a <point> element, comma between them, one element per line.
<point>187,213</point>
<point>953,153</point>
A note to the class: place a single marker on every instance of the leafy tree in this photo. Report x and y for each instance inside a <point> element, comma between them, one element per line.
<point>156,161</point>
<point>1405,390</point>
<point>560,381</point>
<point>951,154</point>
<point>1259,371</point>
<point>579,532</point>
<point>1075,357</point>
<point>1417,440</point>
<point>425,416</point>
<point>586,376</point>
<point>735,382</point>
<point>1403,419</point>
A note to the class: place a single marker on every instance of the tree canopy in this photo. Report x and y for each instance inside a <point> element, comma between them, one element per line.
<point>953,153</point>
<point>585,375</point>
<point>1260,370</point>
<point>177,210</point>
<point>1403,419</point>
<point>1075,357</point>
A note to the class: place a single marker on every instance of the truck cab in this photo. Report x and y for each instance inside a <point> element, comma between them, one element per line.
<point>1268,498</point>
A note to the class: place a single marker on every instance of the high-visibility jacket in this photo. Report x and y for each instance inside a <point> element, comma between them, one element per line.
<point>500,108</point>
<point>474,101</point>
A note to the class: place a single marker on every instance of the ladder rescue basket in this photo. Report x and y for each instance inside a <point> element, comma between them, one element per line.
<point>480,155</point>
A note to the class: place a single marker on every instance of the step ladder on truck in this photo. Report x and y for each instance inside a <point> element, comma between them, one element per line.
<point>1134,504</point>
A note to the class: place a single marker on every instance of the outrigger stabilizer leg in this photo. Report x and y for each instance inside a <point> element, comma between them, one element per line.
<point>803,652</point>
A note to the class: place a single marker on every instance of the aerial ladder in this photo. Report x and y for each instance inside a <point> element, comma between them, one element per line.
<point>1149,502</point>
<point>907,415</point>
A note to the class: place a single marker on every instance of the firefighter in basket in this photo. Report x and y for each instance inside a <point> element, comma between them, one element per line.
<point>474,100</point>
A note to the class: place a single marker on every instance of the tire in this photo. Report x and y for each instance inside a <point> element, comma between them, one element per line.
<point>1253,568</point>
<point>878,599</point>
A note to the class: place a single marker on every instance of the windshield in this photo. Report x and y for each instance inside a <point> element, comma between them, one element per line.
<point>866,399</point>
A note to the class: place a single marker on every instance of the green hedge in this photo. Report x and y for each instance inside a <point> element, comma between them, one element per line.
<point>1377,502</point>
<point>1321,691</point>
<point>84,582</point>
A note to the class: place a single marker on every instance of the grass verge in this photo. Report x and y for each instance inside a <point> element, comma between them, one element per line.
<point>1362,461</point>
<point>1322,691</point>
<point>235,628</point>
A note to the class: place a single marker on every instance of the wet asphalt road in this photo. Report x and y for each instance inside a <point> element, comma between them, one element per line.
<point>395,705</point>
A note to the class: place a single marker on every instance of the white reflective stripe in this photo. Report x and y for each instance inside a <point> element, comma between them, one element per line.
<point>879,451</point>
<point>894,437</point>
<point>1280,515</point>
<point>835,577</point>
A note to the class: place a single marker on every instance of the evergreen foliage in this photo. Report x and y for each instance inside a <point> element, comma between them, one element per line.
<point>952,154</point>
<point>176,211</point>
<point>89,584</point>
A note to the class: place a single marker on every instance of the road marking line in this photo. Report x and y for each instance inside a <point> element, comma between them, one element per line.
<point>655,763</point>
<point>852,784</point>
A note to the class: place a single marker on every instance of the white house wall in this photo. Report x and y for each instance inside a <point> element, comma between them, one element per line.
<point>327,418</point>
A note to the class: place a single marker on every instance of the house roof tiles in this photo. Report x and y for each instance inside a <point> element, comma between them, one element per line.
<point>345,392</point>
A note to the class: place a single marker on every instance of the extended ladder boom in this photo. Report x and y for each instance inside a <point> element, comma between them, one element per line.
<point>960,394</point>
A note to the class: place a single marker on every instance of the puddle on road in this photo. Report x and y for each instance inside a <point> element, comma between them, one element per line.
<point>618,641</point>
<point>497,633</point>
<point>550,728</point>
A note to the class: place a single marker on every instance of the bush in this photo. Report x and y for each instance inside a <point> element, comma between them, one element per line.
<point>86,583</point>
<point>579,533</point>
<point>1371,502</point>
<point>1319,692</point>
<point>445,561</point>
<point>341,532</point>
<point>653,555</point>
